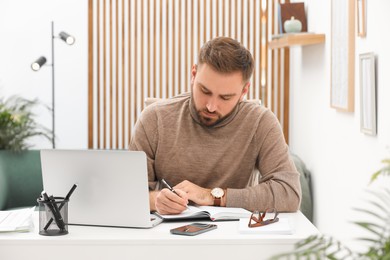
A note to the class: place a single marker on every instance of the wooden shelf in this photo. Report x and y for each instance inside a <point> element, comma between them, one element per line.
<point>288,40</point>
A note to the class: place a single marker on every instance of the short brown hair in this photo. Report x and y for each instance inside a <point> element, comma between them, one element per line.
<point>227,55</point>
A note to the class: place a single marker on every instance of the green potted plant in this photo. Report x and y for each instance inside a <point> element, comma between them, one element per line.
<point>378,228</point>
<point>17,124</point>
<point>20,168</point>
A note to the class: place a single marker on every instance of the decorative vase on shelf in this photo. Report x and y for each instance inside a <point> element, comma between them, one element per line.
<point>293,25</point>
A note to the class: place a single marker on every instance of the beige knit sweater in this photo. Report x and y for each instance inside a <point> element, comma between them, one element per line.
<point>179,148</point>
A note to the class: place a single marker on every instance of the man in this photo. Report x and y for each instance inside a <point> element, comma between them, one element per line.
<point>207,143</point>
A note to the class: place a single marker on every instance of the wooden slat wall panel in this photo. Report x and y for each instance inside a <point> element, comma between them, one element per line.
<point>145,48</point>
<point>276,92</point>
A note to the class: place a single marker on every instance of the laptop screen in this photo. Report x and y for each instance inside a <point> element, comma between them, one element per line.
<point>112,186</point>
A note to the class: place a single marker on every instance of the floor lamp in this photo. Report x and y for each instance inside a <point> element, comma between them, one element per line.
<point>68,39</point>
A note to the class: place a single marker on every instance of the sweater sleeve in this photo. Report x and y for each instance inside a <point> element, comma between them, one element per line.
<point>279,185</point>
<point>144,138</point>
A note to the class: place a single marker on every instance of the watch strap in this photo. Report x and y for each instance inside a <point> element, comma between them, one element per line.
<point>217,202</point>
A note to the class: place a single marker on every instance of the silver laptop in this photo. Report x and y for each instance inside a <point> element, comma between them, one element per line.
<point>112,186</point>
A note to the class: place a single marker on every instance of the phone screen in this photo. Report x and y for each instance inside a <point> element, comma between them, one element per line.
<point>193,229</point>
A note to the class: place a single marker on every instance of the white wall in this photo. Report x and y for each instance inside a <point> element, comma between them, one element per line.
<point>340,157</point>
<point>25,35</point>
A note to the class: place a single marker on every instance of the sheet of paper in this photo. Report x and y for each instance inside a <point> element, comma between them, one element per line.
<point>16,220</point>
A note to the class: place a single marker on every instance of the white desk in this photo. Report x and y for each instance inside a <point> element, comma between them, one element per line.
<point>157,243</point>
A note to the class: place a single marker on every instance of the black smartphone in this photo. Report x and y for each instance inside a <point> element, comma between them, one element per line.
<point>193,229</point>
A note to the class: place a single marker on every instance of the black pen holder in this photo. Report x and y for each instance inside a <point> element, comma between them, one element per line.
<point>53,216</point>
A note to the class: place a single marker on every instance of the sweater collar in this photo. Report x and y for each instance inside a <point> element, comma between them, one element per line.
<point>222,123</point>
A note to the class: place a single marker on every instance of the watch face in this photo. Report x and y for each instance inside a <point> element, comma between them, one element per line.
<point>217,192</point>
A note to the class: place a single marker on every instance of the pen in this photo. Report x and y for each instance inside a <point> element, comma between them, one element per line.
<point>69,194</point>
<point>62,204</point>
<point>170,188</point>
<point>59,220</point>
<point>54,209</point>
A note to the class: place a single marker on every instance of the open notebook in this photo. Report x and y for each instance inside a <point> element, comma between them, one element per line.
<point>209,212</point>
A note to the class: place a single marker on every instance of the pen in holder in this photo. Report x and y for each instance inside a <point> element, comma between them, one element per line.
<point>53,215</point>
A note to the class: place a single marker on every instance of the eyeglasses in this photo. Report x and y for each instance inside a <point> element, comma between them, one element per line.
<point>258,219</point>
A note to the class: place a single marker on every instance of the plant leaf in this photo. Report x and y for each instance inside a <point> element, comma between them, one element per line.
<point>17,124</point>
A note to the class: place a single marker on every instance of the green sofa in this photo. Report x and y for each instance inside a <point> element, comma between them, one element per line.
<point>20,179</point>
<point>306,186</point>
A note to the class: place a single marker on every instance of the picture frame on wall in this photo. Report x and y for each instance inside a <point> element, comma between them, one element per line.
<point>367,77</point>
<point>342,55</point>
<point>361,18</point>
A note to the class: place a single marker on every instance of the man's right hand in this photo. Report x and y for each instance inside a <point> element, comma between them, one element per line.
<point>167,202</point>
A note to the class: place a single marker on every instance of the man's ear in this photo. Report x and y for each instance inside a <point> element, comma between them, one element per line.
<point>193,73</point>
<point>244,91</point>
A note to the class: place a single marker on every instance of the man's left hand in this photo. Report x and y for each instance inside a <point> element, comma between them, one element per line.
<point>197,194</point>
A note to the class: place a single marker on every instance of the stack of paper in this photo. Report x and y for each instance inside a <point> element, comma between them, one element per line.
<point>282,227</point>
<point>16,220</point>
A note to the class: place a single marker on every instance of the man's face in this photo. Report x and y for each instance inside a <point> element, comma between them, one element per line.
<point>215,95</point>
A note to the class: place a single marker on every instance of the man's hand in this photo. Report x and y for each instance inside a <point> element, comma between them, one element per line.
<point>195,193</point>
<point>167,202</point>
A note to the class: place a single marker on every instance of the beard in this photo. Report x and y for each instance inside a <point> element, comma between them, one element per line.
<point>209,119</point>
<point>213,118</point>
